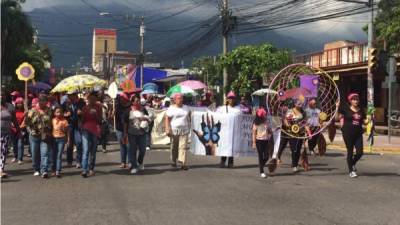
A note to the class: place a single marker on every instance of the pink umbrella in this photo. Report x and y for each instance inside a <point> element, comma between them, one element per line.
<point>193,84</point>
<point>293,93</point>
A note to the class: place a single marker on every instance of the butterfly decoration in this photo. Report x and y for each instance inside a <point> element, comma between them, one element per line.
<point>211,132</point>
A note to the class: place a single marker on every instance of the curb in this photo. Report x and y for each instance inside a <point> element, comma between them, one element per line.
<point>376,149</point>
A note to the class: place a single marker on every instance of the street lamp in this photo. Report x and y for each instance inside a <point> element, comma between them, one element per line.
<point>104,13</point>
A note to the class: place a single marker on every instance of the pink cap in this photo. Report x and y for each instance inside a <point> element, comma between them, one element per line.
<point>35,101</point>
<point>261,113</point>
<point>351,95</point>
<point>231,94</point>
<point>124,96</point>
<point>19,100</point>
<point>176,95</point>
<point>15,93</point>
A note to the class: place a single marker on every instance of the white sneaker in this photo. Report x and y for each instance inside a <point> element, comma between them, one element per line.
<point>14,160</point>
<point>141,167</point>
<point>295,169</point>
<point>262,175</point>
<point>147,148</point>
<point>353,174</point>
<point>134,171</point>
<point>36,173</point>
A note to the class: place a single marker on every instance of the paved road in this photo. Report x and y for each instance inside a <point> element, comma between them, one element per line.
<point>207,194</point>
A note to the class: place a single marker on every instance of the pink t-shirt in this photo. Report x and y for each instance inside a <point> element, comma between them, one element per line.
<point>262,131</point>
<point>91,118</point>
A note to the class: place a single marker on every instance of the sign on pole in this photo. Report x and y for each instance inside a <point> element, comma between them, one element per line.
<point>25,72</point>
<point>112,92</point>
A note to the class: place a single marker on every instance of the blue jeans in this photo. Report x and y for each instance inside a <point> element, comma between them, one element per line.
<point>89,143</point>
<point>137,142</point>
<point>148,139</point>
<point>75,139</point>
<point>58,148</point>
<point>124,148</point>
<point>40,154</point>
<point>18,147</point>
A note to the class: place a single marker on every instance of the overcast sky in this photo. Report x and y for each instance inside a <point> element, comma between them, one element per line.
<point>57,20</point>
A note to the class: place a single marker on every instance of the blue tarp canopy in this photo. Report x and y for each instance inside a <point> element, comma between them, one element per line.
<point>150,75</point>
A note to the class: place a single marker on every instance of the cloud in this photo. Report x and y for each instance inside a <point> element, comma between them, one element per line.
<point>169,14</point>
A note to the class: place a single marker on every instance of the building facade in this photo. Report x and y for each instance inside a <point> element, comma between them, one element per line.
<point>104,43</point>
<point>347,63</point>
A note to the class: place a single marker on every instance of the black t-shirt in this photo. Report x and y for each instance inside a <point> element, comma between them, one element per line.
<point>120,114</point>
<point>353,121</point>
<point>73,120</point>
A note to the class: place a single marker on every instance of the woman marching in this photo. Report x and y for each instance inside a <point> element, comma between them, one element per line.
<point>91,131</point>
<point>136,123</point>
<point>7,120</point>
<point>352,119</point>
<point>261,137</point>
<point>293,118</point>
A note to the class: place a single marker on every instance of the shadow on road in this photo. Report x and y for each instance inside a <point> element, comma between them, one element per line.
<point>380,174</point>
<point>145,172</point>
<point>107,164</point>
<point>334,154</point>
<point>9,180</point>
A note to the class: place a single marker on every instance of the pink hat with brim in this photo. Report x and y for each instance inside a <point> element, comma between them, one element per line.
<point>352,95</point>
<point>19,100</point>
<point>231,94</point>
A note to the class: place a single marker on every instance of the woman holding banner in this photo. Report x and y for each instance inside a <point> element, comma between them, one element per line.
<point>230,107</point>
<point>177,124</point>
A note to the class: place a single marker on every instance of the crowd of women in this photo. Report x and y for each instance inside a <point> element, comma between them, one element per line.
<point>53,126</point>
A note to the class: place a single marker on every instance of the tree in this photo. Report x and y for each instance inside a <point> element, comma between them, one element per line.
<point>17,43</point>
<point>387,24</point>
<point>247,65</point>
<point>208,69</point>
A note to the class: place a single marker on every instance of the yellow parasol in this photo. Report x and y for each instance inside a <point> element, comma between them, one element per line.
<point>79,82</point>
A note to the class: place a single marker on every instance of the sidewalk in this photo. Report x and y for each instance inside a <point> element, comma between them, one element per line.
<point>381,143</point>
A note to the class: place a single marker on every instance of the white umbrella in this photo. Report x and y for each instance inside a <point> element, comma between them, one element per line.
<point>264,91</point>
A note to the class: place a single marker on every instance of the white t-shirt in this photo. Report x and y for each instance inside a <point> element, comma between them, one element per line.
<point>313,116</point>
<point>179,117</point>
<point>229,109</point>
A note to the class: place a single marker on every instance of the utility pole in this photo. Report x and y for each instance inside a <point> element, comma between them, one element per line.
<point>370,77</point>
<point>141,33</point>
<point>371,50</point>
<point>35,36</point>
<point>391,68</point>
<point>225,32</point>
